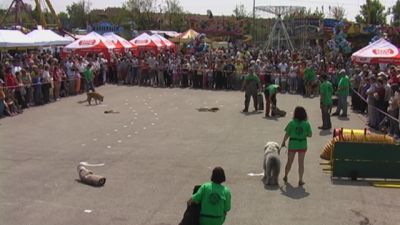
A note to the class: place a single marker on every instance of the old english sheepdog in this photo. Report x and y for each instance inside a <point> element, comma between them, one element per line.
<point>272,163</point>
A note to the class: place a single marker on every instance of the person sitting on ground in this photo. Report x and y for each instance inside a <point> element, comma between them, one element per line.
<point>214,199</point>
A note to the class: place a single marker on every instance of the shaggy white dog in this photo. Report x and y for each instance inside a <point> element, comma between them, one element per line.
<point>272,163</point>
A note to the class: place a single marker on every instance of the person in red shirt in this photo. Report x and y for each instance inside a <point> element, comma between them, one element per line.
<point>394,78</point>
<point>11,81</point>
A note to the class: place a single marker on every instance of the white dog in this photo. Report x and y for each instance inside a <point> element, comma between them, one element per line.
<point>272,163</point>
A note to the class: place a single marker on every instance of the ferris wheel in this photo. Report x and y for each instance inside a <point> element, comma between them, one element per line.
<point>279,37</point>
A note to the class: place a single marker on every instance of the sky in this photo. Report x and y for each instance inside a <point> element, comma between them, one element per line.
<point>225,7</point>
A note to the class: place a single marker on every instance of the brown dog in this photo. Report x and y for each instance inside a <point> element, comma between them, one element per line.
<point>94,95</point>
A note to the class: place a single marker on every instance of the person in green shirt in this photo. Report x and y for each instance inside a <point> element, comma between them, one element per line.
<point>310,79</point>
<point>270,97</point>
<point>251,86</point>
<point>326,91</point>
<point>297,132</point>
<point>342,93</point>
<point>214,199</point>
<point>88,75</point>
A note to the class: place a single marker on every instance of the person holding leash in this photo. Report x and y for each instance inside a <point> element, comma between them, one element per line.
<point>297,132</point>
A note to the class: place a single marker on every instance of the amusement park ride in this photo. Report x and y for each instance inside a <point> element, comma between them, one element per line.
<point>279,37</point>
<point>19,7</point>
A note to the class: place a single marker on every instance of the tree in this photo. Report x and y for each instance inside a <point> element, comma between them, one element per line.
<point>337,12</point>
<point>78,13</point>
<point>372,12</point>
<point>396,13</point>
<point>64,19</point>
<point>240,12</point>
<point>175,14</point>
<point>142,12</point>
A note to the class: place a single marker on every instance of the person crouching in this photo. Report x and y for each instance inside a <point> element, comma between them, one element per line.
<point>270,97</point>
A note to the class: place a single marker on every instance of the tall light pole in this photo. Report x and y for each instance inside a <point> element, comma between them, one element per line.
<point>254,20</point>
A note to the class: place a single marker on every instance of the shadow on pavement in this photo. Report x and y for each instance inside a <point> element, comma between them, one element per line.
<point>271,187</point>
<point>294,192</point>
<point>325,132</point>
<point>251,113</point>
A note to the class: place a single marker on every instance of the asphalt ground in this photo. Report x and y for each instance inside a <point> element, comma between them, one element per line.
<point>156,149</point>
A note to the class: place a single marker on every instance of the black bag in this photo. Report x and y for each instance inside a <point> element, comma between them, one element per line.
<point>192,213</point>
<point>260,102</point>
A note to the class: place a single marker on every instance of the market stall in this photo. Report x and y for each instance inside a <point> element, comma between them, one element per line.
<point>121,45</point>
<point>90,43</point>
<point>47,38</point>
<point>15,39</point>
<point>380,51</point>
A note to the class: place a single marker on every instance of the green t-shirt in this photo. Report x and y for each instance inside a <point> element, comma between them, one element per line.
<point>298,132</point>
<point>326,91</point>
<point>88,74</point>
<point>309,74</point>
<point>215,199</point>
<point>253,77</point>
<point>344,86</point>
<point>272,89</point>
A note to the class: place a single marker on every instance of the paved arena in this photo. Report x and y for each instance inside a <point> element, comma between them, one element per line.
<point>156,149</point>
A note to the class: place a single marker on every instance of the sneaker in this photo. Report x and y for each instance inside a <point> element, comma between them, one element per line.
<point>335,114</point>
<point>245,110</point>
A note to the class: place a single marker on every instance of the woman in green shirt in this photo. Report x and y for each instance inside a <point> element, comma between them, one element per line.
<point>297,132</point>
<point>214,199</point>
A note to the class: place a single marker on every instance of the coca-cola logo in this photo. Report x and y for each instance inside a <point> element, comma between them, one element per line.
<point>141,42</point>
<point>87,42</point>
<point>381,51</point>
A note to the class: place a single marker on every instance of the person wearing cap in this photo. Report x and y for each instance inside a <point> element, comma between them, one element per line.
<point>326,91</point>
<point>342,93</point>
<point>214,199</point>
<point>251,86</point>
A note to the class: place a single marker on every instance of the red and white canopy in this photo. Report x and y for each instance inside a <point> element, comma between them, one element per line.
<point>90,43</point>
<point>166,43</point>
<point>381,51</point>
<point>120,43</point>
<point>145,41</point>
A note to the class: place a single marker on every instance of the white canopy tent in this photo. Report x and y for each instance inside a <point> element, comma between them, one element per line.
<point>47,38</point>
<point>15,39</point>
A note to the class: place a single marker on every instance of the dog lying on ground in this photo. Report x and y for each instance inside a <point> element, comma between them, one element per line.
<point>86,176</point>
<point>272,163</point>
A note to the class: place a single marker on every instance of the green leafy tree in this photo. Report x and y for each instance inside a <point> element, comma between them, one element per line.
<point>142,12</point>
<point>337,12</point>
<point>78,13</point>
<point>64,19</point>
<point>175,15</point>
<point>396,13</point>
<point>240,12</point>
<point>372,12</point>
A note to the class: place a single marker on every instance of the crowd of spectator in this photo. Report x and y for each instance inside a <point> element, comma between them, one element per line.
<point>37,78</point>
